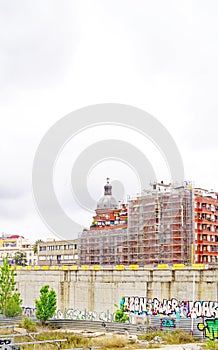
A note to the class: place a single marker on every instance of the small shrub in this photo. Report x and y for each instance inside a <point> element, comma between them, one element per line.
<point>150,335</point>
<point>121,317</point>
<point>177,337</point>
<point>12,306</point>
<point>28,324</point>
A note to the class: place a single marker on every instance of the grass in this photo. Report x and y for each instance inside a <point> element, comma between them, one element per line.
<point>5,331</point>
<point>108,341</point>
<point>28,324</point>
<point>171,337</point>
<point>150,335</point>
<point>112,342</point>
<point>73,340</point>
<point>211,345</point>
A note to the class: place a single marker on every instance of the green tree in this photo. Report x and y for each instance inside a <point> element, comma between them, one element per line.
<point>46,305</point>
<point>35,245</point>
<point>20,259</point>
<point>8,291</point>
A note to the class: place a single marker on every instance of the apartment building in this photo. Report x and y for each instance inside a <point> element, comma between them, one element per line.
<point>206,226</point>
<point>57,253</point>
<point>12,244</point>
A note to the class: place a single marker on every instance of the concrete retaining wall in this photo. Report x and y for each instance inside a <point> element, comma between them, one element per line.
<point>100,290</point>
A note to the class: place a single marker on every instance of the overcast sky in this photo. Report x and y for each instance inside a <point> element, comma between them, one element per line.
<point>58,56</point>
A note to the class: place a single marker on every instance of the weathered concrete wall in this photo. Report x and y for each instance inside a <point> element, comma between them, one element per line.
<point>100,290</point>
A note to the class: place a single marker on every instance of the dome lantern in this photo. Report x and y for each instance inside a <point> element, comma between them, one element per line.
<point>107,201</point>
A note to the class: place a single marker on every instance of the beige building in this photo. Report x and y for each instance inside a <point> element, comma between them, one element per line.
<point>56,253</point>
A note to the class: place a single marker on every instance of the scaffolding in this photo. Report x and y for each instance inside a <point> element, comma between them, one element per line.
<point>160,225</point>
<point>160,230</point>
<point>103,247</point>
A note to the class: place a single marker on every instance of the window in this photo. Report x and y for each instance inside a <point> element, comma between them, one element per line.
<point>42,248</point>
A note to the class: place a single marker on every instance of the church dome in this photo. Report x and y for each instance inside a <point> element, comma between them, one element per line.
<point>107,201</point>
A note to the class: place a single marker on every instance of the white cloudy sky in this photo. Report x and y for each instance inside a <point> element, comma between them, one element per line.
<point>57,56</point>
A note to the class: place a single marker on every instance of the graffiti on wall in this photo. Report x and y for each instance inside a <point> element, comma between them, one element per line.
<point>6,344</point>
<point>28,311</point>
<point>169,307</point>
<point>167,323</point>
<point>75,314</point>
<point>210,328</point>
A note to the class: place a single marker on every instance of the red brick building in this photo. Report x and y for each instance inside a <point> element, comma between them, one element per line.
<point>206,226</point>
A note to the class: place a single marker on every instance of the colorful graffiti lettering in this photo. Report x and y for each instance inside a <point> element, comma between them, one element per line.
<point>167,322</point>
<point>169,307</point>
<point>210,328</point>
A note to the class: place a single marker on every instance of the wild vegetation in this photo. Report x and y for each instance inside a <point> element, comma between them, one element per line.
<point>170,337</point>
<point>106,341</point>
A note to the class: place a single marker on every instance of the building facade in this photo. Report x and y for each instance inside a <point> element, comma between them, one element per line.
<point>206,226</point>
<point>57,253</point>
<point>160,225</point>
<point>166,224</point>
<point>106,241</point>
<point>158,229</point>
<point>12,244</point>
